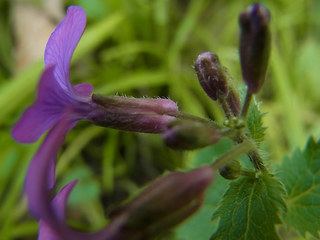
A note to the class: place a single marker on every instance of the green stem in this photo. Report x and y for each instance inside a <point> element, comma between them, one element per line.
<point>257,161</point>
<point>235,152</point>
<point>246,105</point>
<point>226,108</point>
<point>253,155</point>
<point>247,173</point>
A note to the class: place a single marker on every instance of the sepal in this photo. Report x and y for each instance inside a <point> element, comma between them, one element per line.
<point>149,115</point>
<point>188,135</point>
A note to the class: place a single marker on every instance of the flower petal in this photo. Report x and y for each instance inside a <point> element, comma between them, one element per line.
<point>84,89</point>
<point>58,205</point>
<point>44,113</point>
<point>63,42</point>
<point>40,175</point>
<point>52,101</point>
<point>38,188</point>
<point>47,233</point>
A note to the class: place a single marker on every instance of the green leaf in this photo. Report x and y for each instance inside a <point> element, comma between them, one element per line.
<point>300,174</point>
<point>255,124</point>
<point>250,209</point>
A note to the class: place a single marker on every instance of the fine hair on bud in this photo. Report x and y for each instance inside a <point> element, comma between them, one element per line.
<point>211,75</point>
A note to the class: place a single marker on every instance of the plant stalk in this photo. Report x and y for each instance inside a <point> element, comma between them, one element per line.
<point>246,105</point>
<point>235,152</point>
<point>226,108</point>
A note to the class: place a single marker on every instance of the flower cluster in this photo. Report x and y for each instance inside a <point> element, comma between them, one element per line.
<point>173,197</point>
<point>158,207</point>
<point>58,107</point>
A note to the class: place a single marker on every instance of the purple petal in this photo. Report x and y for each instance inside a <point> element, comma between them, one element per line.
<point>84,89</point>
<point>47,233</point>
<point>58,205</point>
<point>33,123</point>
<point>44,113</point>
<point>50,104</point>
<point>40,175</point>
<point>63,42</point>
<point>38,188</point>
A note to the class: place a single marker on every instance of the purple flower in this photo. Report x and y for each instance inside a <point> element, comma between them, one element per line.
<point>58,107</point>
<point>166,202</point>
<point>56,94</point>
<point>39,186</point>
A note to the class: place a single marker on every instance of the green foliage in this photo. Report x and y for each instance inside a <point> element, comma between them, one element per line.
<point>250,209</point>
<point>86,188</point>
<point>255,124</point>
<point>147,48</point>
<point>300,174</point>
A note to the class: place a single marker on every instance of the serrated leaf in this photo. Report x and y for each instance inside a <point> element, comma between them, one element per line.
<point>255,124</point>
<point>250,209</point>
<point>300,174</point>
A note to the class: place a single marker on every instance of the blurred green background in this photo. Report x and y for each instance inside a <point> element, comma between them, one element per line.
<point>145,48</point>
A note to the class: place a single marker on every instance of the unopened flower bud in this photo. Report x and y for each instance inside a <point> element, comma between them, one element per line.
<point>149,115</point>
<point>231,170</point>
<point>211,75</point>
<point>166,202</point>
<point>188,135</point>
<point>254,45</point>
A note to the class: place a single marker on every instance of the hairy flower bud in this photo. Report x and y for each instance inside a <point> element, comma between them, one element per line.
<point>254,45</point>
<point>149,115</point>
<point>231,170</point>
<point>166,202</point>
<point>188,135</point>
<point>211,75</point>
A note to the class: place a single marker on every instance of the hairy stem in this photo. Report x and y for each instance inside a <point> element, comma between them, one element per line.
<point>226,108</point>
<point>235,152</point>
<point>256,159</point>
<point>253,155</point>
<point>246,105</point>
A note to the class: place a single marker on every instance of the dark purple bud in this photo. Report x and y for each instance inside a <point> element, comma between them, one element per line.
<point>255,43</point>
<point>231,170</point>
<point>188,135</point>
<point>166,202</point>
<point>149,115</point>
<point>211,75</point>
